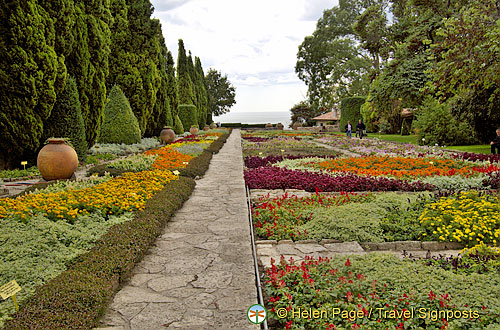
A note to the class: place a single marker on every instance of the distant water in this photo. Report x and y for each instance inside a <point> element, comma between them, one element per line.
<point>258,117</point>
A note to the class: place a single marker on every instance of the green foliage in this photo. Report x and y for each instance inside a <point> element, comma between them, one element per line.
<point>220,93</point>
<point>187,115</point>
<point>172,89</point>
<point>197,166</point>
<point>120,124</point>
<point>406,127</point>
<point>184,80</point>
<point>88,62</point>
<point>17,173</point>
<point>66,120</point>
<point>435,123</point>
<point>134,163</point>
<point>350,110</point>
<point>303,112</point>
<point>161,115</point>
<point>124,149</point>
<point>28,75</point>
<point>178,127</point>
<point>37,251</point>
<point>201,93</point>
<point>85,289</point>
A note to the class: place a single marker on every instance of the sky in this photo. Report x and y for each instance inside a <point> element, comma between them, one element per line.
<point>254,43</point>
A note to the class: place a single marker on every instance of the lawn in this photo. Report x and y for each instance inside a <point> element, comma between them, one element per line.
<point>478,149</point>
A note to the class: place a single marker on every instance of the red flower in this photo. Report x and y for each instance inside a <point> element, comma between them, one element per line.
<point>348,263</point>
<point>288,324</point>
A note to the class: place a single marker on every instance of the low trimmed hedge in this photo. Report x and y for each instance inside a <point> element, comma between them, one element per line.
<point>218,144</point>
<point>240,125</point>
<point>197,166</point>
<point>78,297</point>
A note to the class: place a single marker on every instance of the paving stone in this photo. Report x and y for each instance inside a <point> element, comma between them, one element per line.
<point>213,279</point>
<point>309,248</point>
<point>344,247</point>
<point>433,246</point>
<point>286,249</point>
<point>157,316</point>
<point>267,251</point>
<point>132,294</point>
<point>169,282</point>
<point>408,245</point>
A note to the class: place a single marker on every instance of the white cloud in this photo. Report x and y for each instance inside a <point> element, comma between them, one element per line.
<point>254,42</point>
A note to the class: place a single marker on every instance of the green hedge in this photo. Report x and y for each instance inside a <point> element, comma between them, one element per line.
<point>240,125</point>
<point>187,115</point>
<point>350,110</point>
<point>78,297</point>
<point>178,128</point>
<point>120,124</point>
<point>198,165</point>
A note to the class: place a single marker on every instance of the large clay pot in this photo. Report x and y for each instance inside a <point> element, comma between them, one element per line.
<point>57,160</point>
<point>269,125</point>
<point>279,126</point>
<point>296,125</point>
<point>193,130</point>
<point>167,135</point>
<point>213,125</point>
<point>206,128</point>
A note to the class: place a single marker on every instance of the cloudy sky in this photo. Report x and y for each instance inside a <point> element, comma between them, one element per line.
<point>254,42</point>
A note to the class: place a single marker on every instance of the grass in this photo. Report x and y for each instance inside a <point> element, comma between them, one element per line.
<point>395,137</point>
<point>478,149</point>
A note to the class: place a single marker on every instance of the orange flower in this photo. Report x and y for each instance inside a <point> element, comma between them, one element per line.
<point>168,158</point>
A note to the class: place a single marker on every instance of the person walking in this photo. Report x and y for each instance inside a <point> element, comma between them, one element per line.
<point>348,129</point>
<point>495,144</point>
<point>360,129</point>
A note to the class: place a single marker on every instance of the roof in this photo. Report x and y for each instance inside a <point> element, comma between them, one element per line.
<point>327,116</point>
<point>407,112</point>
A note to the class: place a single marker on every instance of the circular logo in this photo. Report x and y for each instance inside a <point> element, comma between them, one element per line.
<point>256,314</point>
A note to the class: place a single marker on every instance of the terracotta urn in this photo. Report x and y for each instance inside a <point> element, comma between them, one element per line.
<point>279,126</point>
<point>269,125</point>
<point>213,125</point>
<point>167,135</point>
<point>296,125</point>
<point>193,130</point>
<point>206,128</point>
<point>57,160</point>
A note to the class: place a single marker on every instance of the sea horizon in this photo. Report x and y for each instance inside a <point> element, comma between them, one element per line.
<point>256,117</point>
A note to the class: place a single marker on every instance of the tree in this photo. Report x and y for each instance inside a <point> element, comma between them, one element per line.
<point>88,61</point>
<point>221,94</point>
<point>66,119</point>
<point>136,49</point>
<point>28,74</point>
<point>331,62</point>
<point>184,82</point>
<point>201,96</point>
<point>172,90</point>
<point>188,116</point>
<point>302,112</point>
<point>161,115</point>
<point>120,124</point>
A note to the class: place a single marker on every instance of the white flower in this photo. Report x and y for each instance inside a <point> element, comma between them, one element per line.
<point>176,172</point>
<point>423,139</point>
<point>431,162</point>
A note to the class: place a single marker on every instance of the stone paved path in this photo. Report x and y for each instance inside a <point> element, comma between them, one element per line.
<point>200,272</point>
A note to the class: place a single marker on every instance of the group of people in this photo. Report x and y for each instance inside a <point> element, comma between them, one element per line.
<point>360,129</point>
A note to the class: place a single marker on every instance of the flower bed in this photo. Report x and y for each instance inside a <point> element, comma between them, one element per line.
<point>282,178</point>
<point>368,288</point>
<point>74,216</point>
<point>466,217</point>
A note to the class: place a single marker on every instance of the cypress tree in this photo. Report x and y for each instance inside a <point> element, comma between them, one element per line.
<point>66,119</point>
<point>202,97</point>
<point>28,74</point>
<point>120,124</point>
<point>184,82</point>
<point>135,51</point>
<point>172,90</point>
<point>187,115</point>
<point>88,62</point>
<point>178,128</point>
<point>161,115</point>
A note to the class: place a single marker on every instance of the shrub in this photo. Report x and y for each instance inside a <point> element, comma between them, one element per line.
<point>187,115</point>
<point>218,144</point>
<point>66,119</point>
<point>120,124</point>
<point>197,166</point>
<point>350,110</point>
<point>178,128</point>
<point>76,298</point>
<point>435,123</point>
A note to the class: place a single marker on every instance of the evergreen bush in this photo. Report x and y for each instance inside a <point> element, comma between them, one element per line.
<point>435,123</point>
<point>187,115</point>
<point>178,127</point>
<point>350,110</point>
<point>120,124</point>
<point>66,119</point>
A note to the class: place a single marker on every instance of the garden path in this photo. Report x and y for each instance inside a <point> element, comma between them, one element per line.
<point>200,273</point>
<point>345,152</point>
